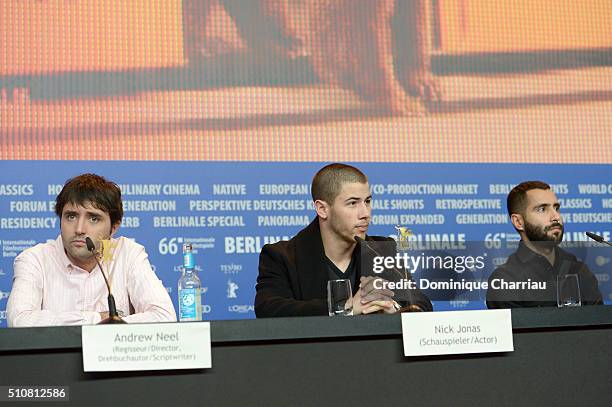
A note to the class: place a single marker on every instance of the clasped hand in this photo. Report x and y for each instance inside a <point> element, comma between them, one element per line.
<point>369,299</point>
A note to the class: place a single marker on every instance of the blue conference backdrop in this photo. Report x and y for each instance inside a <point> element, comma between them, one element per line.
<point>229,210</point>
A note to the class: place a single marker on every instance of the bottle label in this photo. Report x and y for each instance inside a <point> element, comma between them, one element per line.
<point>188,304</point>
<point>188,260</point>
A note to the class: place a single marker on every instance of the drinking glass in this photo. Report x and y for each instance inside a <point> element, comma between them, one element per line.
<point>568,291</point>
<point>339,298</point>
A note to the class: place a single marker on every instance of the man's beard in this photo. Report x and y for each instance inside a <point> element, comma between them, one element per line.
<point>540,234</point>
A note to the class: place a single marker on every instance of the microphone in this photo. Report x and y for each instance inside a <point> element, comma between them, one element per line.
<point>598,238</point>
<point>113,316</point>
<point>377,253</point>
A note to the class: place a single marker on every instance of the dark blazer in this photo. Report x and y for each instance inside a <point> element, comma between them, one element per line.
<point>293,276</point>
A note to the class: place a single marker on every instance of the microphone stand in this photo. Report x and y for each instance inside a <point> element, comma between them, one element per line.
<point>113,316</point>
<point>406,308</point>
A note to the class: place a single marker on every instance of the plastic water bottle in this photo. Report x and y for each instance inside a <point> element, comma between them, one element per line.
<point>189,298</point>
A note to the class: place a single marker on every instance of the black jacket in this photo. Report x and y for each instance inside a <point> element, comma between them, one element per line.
<point>293,277</point>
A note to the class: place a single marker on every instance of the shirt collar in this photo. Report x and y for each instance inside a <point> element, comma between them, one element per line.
<point>525,254</point>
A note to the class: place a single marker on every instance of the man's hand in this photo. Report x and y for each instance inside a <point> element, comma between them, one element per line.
<point>369,299</point>
<point>369,292</point>
<point>373,307</point>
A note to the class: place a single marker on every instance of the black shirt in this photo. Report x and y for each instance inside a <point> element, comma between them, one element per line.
<point>334,273</point>
<point>527,279</point>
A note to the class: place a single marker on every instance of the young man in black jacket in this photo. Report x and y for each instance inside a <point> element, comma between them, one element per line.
<point>293,274</point>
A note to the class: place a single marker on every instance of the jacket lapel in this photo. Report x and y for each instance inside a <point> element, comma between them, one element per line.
<point>310,262</point>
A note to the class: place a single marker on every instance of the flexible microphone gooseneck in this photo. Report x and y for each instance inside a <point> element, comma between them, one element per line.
<point>113,316</point>
<point>407,308</point>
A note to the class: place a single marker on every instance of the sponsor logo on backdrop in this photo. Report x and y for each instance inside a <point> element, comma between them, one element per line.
<point>498,261</point>
<point>2,315</point>
<point>4,295</point>
<point>206,309</point>
<point>172,245</point>
<point>241,309</point>
<point>179,269</point>
<point>231,289</point>
<point>231,268</point>
<point>459,303</point>
<point>602,261</point>
<point>11,248</point>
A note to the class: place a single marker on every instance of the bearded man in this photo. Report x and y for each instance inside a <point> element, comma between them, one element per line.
<point>529,276</point>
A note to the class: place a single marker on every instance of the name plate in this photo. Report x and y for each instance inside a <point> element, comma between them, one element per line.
<point>457,332</point>
<point>146,347</point>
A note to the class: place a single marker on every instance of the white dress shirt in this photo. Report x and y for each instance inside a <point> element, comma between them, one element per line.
<point>49,290</point>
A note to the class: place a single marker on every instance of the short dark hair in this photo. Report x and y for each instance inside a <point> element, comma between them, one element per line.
<point>517,198</point>
<point>94,189</point>
<point>327,182</point>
